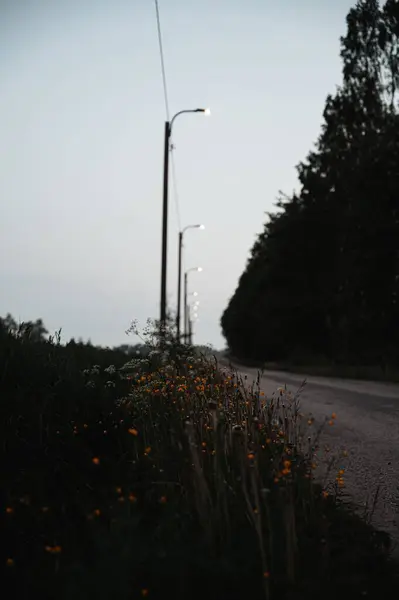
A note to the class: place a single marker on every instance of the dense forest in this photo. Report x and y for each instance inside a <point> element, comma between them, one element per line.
<point>322,280</point>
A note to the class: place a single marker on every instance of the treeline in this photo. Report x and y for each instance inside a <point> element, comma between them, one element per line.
<point>322,281</point>
<point>33,338</point>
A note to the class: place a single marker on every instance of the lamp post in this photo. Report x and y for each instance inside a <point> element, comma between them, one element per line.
<point>168,132</point>
<point>179,275</point>
<point>185,299</point>
<point>190,321</point>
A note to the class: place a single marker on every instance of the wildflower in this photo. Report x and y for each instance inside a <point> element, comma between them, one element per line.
<point>133,431</point>
<point>95,461</point>
<point>287,464</point>
<point>268,441</point>
<point>147,450</point>
<point>144,592</point>
<point>341,471</point>
<point>285,471</point>
<point>10,562</point>
<point>324,494</point>
<point>132,498</point>
<point>121,499</point>
<point>163,500</point>
<point>276,480</point>
<point>53,549</point>
<point>251,456</point>
<point>310,421</point>
<point>9,510</point>
<point>118,490</point>
<point>85,425</point>
<point>97,512</point>
<point>334,416</point>
<point>262,393</point>
<point>266,574</point>
<point>345,453</point>
<point>331,423</point>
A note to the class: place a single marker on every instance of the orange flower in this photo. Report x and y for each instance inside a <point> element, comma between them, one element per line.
<point>118,490</point>
<point>203,444</point>
<point>97,512</point>
<point>331,423</point>
<point>268,441</point>
<point>132,498</point>
<point>324,494</point>
<point>96,461</point>
<point>10,562</point>
<point>9,510</point>
<point>144,592</point>
<point>251,456</point>
<point>287,464</point>
<point>334,416</point>
<point>266,574</point>
<point>133,431</point>
<point>163,499</point>
<point>147,450</point>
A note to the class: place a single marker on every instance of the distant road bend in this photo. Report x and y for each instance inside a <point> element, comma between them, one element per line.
<point>367,426</point>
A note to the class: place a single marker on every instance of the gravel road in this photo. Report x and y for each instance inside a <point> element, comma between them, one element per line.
<point>366,426</point>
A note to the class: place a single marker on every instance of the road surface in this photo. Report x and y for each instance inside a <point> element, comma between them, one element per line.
<point>366,426</point>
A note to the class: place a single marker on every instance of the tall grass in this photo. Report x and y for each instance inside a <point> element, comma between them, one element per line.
<point>171,476</point>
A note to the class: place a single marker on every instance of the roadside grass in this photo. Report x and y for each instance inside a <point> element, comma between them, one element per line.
<point>170,476</point>
<point>322,368</point>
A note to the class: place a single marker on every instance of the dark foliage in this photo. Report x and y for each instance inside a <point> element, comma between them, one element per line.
<point>322,281</point>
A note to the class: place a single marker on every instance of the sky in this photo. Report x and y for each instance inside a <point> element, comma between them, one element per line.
<point>82,118</point>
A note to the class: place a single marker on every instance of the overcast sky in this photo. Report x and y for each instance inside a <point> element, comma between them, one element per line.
<point>81,148</point>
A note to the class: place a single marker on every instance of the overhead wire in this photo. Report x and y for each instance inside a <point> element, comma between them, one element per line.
<point>166,99</point>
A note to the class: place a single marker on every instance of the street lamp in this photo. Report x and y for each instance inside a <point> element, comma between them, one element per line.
<point>192,318</point>
<point>199,269</point>
<point>168,132</point>
<point>181,233</point>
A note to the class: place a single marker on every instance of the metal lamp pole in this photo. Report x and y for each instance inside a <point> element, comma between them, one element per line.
<point>179,275</point>
<point>168,132</point>
<point>185,300</point>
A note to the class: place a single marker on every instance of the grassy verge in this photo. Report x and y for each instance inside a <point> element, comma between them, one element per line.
<point>169,477</point>
<point>358,372</point>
